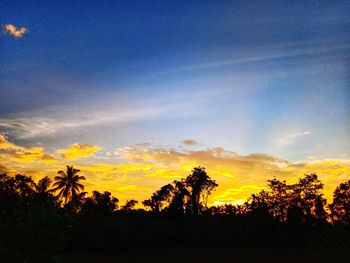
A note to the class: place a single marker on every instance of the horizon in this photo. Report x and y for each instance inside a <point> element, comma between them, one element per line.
<point>137,94</point>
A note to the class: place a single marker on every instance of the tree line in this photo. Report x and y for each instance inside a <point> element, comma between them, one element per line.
<point>41,219</point>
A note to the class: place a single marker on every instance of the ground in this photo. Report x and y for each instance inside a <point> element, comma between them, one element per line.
<point>259,255</point>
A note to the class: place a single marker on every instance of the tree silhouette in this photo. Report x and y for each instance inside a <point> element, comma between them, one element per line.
<point>279,199</point>
<point>159,198</point>
<point>129,205</point>
<point>188,195</point>
<point>42,187</point>
<point>7,192</point>
<point>75,205</point>
<point>302,202</point>
<point>180,195</point>
<point>259,204</point>
<point>308,192</point>
<point>32,219</point>
<point>340,208</point>
<point>67,183</point>
<point>200,185</point>
<point>22,185</point>
<point>100,202</point>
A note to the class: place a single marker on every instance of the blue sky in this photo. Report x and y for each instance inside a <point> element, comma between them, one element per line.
<point>265,76</point>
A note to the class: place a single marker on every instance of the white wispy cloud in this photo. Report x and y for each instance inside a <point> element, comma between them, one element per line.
<point>33,125</point>
<point>16,32</point>
<point>292,138</point>
<point>305,50</point>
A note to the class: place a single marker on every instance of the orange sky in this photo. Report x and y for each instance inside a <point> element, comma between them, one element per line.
<point>136,171</point>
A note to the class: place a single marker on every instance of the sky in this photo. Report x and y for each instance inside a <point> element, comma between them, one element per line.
<point>137,93</point>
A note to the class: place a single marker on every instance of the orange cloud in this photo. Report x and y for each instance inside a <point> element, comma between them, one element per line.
<point>16,32</point>
<point>79,150</point>
<point>10,152</point>
<point>238,175</point>
<point>142,169</point>
<point>189,142</point>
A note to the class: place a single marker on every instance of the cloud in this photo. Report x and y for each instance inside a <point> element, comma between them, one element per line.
<point>27,125</point>
<point>238,175</point>
<point>189,142</point>
<point>12,153</point>
<point>143,168</point>
<point>309,50</point>
<point>16,32</point>
<point>292,138</point>
<point>79,150</point>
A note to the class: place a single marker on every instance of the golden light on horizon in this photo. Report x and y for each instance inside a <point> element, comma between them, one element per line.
<point>136,171</point>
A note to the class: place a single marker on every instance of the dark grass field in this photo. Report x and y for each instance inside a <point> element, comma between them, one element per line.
<point>268,255</point>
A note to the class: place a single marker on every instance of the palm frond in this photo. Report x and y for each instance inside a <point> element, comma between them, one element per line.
<point>58,184</point>
<point>68,183</point>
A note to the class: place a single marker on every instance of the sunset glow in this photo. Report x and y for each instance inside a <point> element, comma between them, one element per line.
<point>136,95</point>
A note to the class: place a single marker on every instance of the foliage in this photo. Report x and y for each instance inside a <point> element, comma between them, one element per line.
<point>200,185</point>
<point>340,208</point>
<point>100,203</point>
<point>67,183</point>
<point>129,205</point>
<point>188,195</point>
<point>302,202</point>
<point>38,226</point>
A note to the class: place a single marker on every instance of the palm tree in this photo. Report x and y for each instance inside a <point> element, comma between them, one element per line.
<point>68,183</point>
<point>42,187</point>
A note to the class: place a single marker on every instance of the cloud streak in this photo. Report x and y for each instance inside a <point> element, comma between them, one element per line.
<point>31,125</point>
<point>306,51</point>
<point>292,138</point>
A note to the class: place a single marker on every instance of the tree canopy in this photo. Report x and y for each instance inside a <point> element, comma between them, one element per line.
<point>41,219</point>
